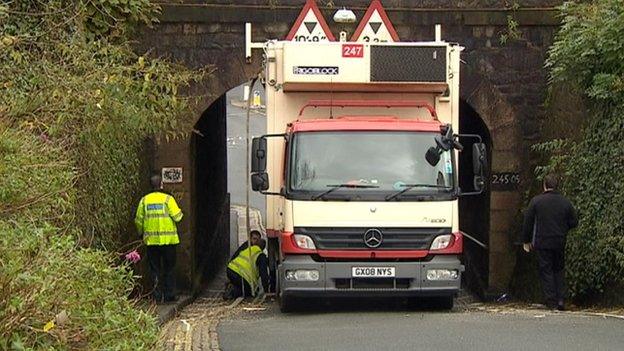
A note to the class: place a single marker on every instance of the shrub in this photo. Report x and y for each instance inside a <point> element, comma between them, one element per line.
<point>589,53</point>
<point>43,276</point>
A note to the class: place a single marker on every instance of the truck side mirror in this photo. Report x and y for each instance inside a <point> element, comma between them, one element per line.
<point>260,181</point>
<point>479,183</point>
<point>258,155</point>
<point>433,156</point>
<point>479,159</point>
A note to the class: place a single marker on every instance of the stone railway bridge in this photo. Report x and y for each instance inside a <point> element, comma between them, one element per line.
<point>503,87</point>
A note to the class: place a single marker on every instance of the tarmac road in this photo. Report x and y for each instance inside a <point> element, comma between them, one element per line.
<point>375,325</point>
<point>236,147</point>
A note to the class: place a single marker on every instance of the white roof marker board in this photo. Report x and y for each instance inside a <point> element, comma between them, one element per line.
<point>310,25</point>
<point>375,26</point>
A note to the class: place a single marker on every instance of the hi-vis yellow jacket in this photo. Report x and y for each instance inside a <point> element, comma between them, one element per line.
<point>245,265</point>
<point>156,218</point>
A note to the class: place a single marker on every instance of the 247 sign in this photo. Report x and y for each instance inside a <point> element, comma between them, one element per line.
<point>352,50</point>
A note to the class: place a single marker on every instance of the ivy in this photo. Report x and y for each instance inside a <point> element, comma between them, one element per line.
<point>588,52</point>
<point>512,30</point>
<point>113,17</point>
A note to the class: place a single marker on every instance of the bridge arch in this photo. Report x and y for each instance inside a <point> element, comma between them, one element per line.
<point>503,85</point>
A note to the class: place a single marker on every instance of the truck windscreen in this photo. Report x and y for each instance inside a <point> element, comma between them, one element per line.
<point>389,161</point>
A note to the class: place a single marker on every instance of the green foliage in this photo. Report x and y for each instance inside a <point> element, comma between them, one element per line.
<point>92,18</point>
<point>43,275</point>
<point>106,17</point>
<point>76,109</point>
<point>512,31</point>
<point>36,179</point>
<point>102,101</point>
<point>589,49</point>
<point>105,118</point>
<point>589,53</point>
<point>43,272</point>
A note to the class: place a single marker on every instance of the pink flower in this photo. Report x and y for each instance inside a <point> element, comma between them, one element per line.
<point>133,256</point>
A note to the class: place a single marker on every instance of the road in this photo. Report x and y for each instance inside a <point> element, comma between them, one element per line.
<point>376,326</point>
<point>237,152</point>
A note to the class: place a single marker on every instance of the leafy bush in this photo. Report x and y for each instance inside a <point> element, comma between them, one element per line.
<point>102,101</point>
<point>43,277</point>
<point>43,273</point>
<point>76,108</point>
<point>589,53</point>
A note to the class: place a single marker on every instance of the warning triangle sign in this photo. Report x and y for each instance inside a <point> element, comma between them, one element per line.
<point>375,26</point>
<point>310,25</point>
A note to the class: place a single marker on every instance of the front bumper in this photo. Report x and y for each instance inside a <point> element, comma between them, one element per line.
<point>335,278</point>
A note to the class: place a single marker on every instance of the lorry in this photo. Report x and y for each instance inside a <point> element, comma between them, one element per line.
<point>360,169</point>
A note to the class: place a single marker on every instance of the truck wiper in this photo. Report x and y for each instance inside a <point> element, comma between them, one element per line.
<point>345,185</point>
<point>409,187</point>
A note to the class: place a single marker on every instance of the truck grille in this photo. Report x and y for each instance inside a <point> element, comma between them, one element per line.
<point>372,283</point>
<point>345,238</point>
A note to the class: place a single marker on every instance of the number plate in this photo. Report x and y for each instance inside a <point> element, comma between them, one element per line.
<point>372,272</point>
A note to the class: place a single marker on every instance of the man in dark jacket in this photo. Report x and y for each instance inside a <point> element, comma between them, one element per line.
<point>547,220</point>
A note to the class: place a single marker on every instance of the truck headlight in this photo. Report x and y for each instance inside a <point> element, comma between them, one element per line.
<point>442,274</point>
<point>442,242</point>
<point>304,242</point>
<point>310,275</point>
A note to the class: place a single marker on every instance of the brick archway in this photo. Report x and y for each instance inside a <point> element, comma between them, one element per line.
<point>507,157</point>
<point>504,83</point>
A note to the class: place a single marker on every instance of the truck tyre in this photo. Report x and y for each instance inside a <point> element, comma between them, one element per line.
<point>273,249</point>
<point>445,302</point>
<point>286,304</point>
<point>432,303</point>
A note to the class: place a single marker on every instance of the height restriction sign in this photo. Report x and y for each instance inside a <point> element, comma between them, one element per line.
<point>375,26</point>
<point>310,25</point>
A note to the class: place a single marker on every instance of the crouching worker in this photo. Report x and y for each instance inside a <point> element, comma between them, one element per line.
<point>248,266</point>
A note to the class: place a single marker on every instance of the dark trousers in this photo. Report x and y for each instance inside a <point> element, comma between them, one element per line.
<point>551,264</point>
<point>161,260</point>
<point>240,285</point>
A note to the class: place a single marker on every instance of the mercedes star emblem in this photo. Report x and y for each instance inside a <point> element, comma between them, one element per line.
<point>373,238</point>
<point>373,209</point>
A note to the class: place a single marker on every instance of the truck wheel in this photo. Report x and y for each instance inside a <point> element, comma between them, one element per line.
<point>432,303</point>
<point>286,304</point>
<point>273,248</point>
<point>445,302</point>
